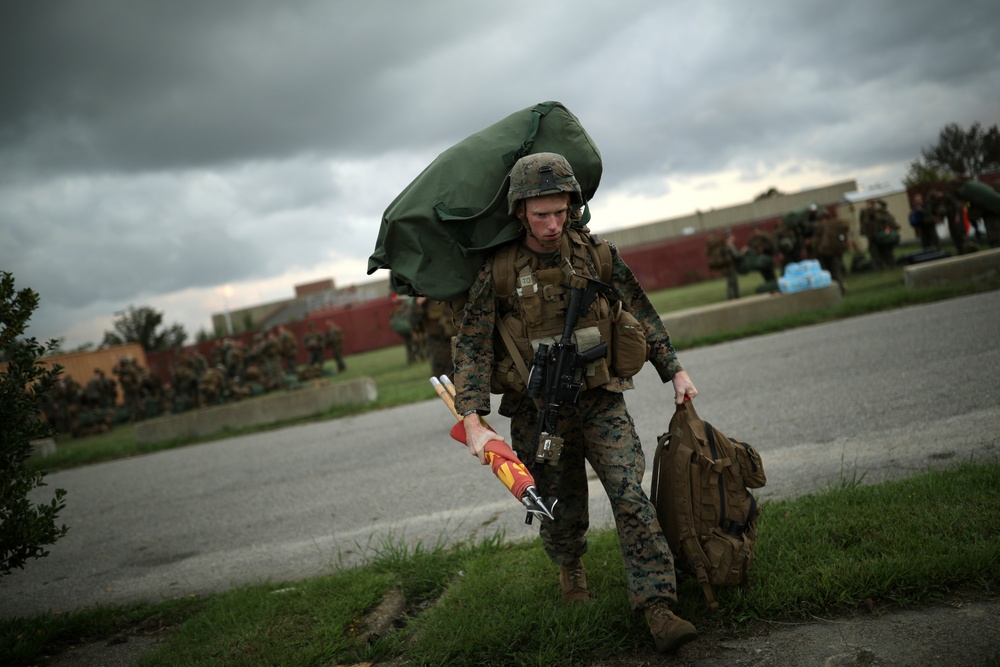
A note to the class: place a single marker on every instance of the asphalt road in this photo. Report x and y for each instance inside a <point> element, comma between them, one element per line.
<point>868,398</point>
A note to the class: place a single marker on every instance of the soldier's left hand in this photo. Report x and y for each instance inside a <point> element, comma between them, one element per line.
<point>683,387</point>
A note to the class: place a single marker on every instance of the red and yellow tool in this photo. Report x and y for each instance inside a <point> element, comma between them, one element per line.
<point>500,457</point>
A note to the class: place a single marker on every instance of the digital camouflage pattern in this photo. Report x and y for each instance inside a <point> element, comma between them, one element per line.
<point>474,350</point>
<point>542,174</point>
<point>335,341</point>
<point>598,428</point>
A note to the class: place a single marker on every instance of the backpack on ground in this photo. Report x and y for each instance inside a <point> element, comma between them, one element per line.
<point>699,489</point>
<point>437,232</point>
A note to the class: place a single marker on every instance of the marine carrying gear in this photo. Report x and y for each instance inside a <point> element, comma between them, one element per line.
<point>437,232</point>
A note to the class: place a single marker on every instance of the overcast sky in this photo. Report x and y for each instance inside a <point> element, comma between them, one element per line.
<point>152,153</point>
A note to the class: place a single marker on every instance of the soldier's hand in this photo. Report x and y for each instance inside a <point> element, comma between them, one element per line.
<point>683,387</point>
<point>477,435</point>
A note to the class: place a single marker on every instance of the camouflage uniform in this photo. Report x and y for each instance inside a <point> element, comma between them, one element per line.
<point>335,341</point>
<point>234,359</point>
<point>184,380</point>
<point>760,253</point>
<point>945,207</point>
<point>270,364</point>
<point>990,221</point>
<point>832,241</point>
<point>212,386</point>
<point>923,224</point>
<point>288,347</point>
<point>128,379</point>
<point>884,220</point>
<point>867,222</point>
<point>313,340</point>
<point>597,428</point>
<point>732,271</point>
<point>437,325</point>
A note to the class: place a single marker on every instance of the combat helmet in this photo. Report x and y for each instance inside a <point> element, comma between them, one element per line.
<point>542,174</point>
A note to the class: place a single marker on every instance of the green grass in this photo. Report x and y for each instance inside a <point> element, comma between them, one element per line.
<point>896,544</point>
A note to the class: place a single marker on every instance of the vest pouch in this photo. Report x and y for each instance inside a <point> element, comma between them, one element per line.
<point>629,350</point>
<point>506,377</point>
<point>596,373</point>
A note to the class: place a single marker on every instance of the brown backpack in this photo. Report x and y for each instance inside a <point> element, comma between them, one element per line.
<point>718,258</point>
<point>699,489</point>
<point>834,238</point>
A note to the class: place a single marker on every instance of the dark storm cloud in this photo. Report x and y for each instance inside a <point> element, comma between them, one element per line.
<point>148,148</point>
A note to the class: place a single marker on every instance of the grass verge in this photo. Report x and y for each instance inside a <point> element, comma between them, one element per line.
<point>853,547</point>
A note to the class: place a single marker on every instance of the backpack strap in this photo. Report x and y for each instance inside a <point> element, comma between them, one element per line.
<point>503,271</point>
<point>600,250</point>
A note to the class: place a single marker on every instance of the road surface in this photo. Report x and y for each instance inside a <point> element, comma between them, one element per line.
<point>869,398</point>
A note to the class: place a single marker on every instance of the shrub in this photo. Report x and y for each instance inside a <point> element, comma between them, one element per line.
<point>25,528</point>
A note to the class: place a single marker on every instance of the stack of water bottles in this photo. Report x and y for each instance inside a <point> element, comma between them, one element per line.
<point>800,276</point>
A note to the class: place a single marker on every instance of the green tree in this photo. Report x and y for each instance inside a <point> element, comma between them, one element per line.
<point>770,193</point>
<point>139,325</point>
<point>958,152</point>
<point>921,173</point>
<point>25,528</point>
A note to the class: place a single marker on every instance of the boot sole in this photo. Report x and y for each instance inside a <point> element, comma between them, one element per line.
<point>671,644</point>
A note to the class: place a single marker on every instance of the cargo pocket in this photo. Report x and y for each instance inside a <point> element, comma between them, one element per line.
<point>629,350</point>
<point>751,466</point>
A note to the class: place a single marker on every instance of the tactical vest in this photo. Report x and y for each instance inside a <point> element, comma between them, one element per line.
<point>439,319</point>
<point>718,257</point>
<point>833,240</point>
<point>532,307</point>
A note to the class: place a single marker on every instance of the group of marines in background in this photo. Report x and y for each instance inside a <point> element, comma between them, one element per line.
<point>235,371</point>
<point>814,234</point>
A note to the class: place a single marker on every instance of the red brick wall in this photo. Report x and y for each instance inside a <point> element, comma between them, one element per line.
<point>682,261</point>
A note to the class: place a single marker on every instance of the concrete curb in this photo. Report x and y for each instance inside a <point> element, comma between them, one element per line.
<point>254,412</point>
<point>743,312</point>
<point>975,267</point>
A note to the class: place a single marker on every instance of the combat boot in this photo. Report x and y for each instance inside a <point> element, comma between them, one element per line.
<point>670,632</point>
<point>573,581</point>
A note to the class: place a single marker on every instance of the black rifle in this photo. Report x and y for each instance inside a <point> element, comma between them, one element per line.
<point>554,372</point>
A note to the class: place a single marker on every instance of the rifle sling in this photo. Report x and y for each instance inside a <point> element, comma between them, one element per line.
<point>522,369</point>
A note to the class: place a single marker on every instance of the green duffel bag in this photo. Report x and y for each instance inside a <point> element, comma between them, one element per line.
<point>886,236</point>
<point>437,232</point>
<point>752,261</point>
<point>980,195</point>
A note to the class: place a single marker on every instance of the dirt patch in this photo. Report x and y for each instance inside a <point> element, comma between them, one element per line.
<point>957,633</point>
